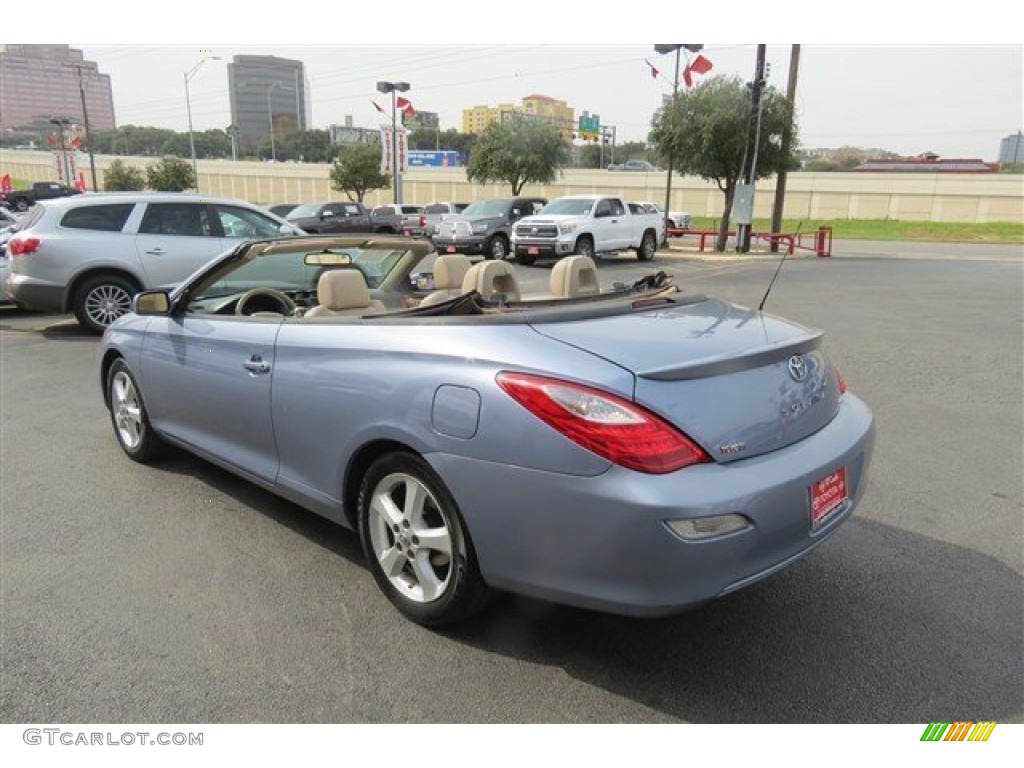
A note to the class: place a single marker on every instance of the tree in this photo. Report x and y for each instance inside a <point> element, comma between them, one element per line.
<point>518,151</point>
<point>172,174</point>
<point>123,178</point>
<point>704,131</point>
<point>357,171</point>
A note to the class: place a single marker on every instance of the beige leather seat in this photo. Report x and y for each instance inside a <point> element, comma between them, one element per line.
<point>449,272</point>
<point>575,276</point>
<point>343,292</point>
<point>491,277</point>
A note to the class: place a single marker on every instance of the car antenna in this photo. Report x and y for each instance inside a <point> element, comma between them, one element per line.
<point>760,307</point>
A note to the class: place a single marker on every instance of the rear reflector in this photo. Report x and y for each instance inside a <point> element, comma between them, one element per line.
<point>708,527</point>
<point>610,426</point>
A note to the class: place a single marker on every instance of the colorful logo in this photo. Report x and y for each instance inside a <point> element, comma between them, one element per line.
<point>958,731</point>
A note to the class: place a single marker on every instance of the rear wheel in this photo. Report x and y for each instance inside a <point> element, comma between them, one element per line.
<point>648,246</point>
<point>21,204</point>
<point>100,300</point>
<point>128,415</point>
<point>416,543</point>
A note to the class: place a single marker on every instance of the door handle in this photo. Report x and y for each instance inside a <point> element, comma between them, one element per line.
<point>256,365</point>
<point>156,252</point>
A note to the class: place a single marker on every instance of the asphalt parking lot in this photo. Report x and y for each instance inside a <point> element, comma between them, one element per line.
<point>179,593</point>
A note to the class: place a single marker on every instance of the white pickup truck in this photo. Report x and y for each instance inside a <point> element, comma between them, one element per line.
<point>585,224</point>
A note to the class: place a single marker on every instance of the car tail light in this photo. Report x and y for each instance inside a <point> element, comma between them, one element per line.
<point>22,246</point>
<point>611,427</point>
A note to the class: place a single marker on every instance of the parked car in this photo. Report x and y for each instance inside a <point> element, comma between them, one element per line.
<point>637,451</point>
<point>634,165</point>
<point>325,218</point>
<point>23,199</point>
<point>587,225</point>
<point>90,254</point>
<point>435,213</point>
<point>485,226</point>
<point>674,220</point>
<point>399,219</point>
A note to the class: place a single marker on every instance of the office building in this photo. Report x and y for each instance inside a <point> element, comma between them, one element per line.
<point>41,82</point>
<point>553,111</point>
<point>1011,149</point>
<point>267,91</point>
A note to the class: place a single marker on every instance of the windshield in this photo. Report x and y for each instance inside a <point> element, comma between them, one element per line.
<point>302,211</point>
<point>288,271</point>
<point>487,208</point>
<point>568,207</point>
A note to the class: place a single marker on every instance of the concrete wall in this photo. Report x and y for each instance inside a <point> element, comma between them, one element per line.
<point>975,198</point>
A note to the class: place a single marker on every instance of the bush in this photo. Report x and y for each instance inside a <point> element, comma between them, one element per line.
<point>123,178</point>
<point>172,174</point>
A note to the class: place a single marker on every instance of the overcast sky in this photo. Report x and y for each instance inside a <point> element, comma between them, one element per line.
<point>903,95</point>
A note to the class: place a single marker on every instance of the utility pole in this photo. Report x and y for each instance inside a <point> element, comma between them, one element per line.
<point>85,118</point>
<point>787,140</point>
<point>750,157</point>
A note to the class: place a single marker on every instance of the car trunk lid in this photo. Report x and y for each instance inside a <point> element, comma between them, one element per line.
<point>739,382</point>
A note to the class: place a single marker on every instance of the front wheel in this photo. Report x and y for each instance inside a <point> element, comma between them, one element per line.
<point>21,205</point>
<point>416,544</point>
<point>100,300</point>
<point>584,247</point>
<point>128,415</point>
<point>497,248</point>
<point>648,246</point>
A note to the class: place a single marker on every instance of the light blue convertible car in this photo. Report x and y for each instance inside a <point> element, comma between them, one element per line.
<point>638,450</point>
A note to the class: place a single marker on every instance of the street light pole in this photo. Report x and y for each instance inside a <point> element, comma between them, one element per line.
<point>188,107</point>
<point>385,87</point>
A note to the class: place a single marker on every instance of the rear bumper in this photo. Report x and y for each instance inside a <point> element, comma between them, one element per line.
<point>31,293</point>
<point>603,542</point>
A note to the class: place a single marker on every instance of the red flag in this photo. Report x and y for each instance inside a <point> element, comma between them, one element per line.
<point>76,142</point>
<point>406,106</point>
<point>699,66</point>
<point>51,139</point>
<point>5,183</point>
<point>377,107</point>
<point>80,182</point>
<point>654,72</point>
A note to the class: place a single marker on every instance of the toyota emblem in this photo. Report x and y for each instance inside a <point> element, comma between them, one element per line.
<point>797,368</point>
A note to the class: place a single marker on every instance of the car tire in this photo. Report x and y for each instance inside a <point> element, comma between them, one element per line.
<point>21,205</point>
<point>101,299</point>
<point>496,248</point>
<point>584,247</point>
<point>432,579</point>
<point>128,416</point>
<point>648,247</point>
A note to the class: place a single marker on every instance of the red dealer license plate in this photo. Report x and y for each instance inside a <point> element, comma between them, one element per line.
<point>532,251</point>
<point>827,495</point>
<point>450,249</point>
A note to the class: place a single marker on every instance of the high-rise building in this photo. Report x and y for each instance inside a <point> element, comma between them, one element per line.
<point>1011,149</point>
<point>557,113</point>
<point>39,83</point>
<point>267,91</point>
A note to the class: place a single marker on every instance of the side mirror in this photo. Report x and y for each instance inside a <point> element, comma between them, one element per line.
<point>152,303</point>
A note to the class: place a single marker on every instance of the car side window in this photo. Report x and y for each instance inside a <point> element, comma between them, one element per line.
<point>616,207</point>
<point>239,222</point>
<point>182,219</point>
<point>604,208</point>
<point>101,218</point>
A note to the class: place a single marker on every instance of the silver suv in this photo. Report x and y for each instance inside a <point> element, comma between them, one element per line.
<point>91,254</point>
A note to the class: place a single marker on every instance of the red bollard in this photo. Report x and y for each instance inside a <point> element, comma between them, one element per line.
<point>823,241</point>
